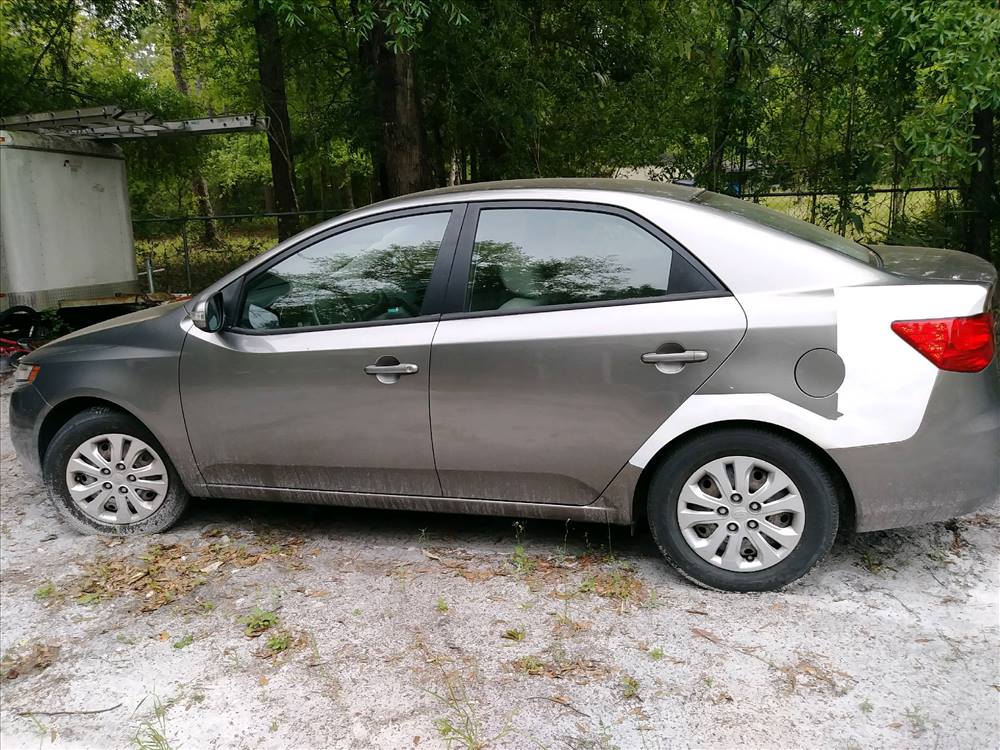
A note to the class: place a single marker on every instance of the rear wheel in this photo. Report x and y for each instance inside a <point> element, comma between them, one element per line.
<point>743,510</point>
<point>106,473</point>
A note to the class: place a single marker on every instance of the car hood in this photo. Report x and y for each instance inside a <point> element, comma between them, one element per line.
<point>135,329</point>
<point>936,263</point>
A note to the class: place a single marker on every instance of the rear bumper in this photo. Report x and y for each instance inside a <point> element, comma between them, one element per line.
<point>949,467</point>
<point>27,408</point>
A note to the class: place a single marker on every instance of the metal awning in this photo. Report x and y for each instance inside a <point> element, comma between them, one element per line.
<point>114,123</point>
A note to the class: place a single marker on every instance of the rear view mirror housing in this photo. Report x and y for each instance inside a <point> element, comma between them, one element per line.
<point>209,314</point>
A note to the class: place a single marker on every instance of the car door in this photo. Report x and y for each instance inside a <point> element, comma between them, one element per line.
<point>321,380</point>
<point>574,331</point>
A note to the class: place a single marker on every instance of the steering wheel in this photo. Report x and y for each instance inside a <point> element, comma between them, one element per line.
<point>384,303</point>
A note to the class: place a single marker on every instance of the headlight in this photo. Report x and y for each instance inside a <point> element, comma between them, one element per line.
<point>26,373</point>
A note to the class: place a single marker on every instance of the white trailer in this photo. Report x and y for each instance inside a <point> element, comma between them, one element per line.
<point>65,229</point>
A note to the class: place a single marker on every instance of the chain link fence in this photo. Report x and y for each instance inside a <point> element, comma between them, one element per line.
<point>183,254</point>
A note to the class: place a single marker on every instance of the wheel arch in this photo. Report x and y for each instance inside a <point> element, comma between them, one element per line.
<point>845,495</point>
<point>64,411</point>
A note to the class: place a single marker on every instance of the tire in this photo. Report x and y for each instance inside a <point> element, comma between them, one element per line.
<point>18,322</point>
<point>150,510</point>
<point>676,484</point>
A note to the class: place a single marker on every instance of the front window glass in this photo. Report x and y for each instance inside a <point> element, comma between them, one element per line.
<point>534,257</point>
<point>375,272</point>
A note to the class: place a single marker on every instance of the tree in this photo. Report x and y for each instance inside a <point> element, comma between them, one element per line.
<point>179,31</point>
<point>271,69</point>
<point>951,47</point>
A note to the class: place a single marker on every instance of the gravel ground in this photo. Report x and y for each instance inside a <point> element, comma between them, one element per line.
<point>382,629</point>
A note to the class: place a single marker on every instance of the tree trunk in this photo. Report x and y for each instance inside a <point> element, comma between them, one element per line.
<point>271,69</point>
<point>400,154</point>
<point>980,201</point>
<point>179,31</point>
<point>729,94</point>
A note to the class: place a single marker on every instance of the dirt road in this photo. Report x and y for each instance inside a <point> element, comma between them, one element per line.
<point>266,626</point>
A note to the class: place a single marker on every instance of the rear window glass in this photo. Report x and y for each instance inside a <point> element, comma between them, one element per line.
<point>787,224</point>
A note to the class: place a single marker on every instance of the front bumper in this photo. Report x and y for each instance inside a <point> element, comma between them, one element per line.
<point>27,407</point>
<point>949,467</point>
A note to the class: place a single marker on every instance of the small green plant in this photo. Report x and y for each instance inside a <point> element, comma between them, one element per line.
<point>184,641</point>
<point>917,720</point>
<point>866,706</point>
<point>653,601</point>
<point>872,562</point>
<point>442,605</point>
<point>274,726</point>
<point>46,591</point>
<point>259,621</point>
<point>356,612</point>
<point>463,728</point>
<point>88,598</point>
<point>521,562</point>
<point>152,735</point>
<point>206,607</point>
<point>530,665</point>
<point>656,654</point>
<point>514,634</point>
<point>52,322</point>
<point>589,585</point>
<point>279,642</point>
<point>630,688</point>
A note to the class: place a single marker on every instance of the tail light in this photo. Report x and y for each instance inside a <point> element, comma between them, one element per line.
<point>956,344</point>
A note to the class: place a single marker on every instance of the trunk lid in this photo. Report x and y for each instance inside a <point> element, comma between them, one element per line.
<point>934,263</point>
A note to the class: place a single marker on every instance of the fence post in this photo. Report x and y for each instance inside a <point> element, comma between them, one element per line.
<point>187,254</point>
<point>149,273</point>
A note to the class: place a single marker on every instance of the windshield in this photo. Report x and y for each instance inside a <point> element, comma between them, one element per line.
<point>787,224</point>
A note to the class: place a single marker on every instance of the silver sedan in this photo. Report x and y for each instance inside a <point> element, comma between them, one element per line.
<point>603,351</point>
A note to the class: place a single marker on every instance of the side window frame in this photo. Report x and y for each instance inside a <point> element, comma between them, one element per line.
<point>434,298</point>
<point>455,298</point>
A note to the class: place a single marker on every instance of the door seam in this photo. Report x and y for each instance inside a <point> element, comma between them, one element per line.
<point>430,418</point>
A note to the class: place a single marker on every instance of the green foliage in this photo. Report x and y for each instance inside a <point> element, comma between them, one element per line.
<point>279,642</point>
<point>741,95</point>
<point>258,621</point>
<point>949,49</point>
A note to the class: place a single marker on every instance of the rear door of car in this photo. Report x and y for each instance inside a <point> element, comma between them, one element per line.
<point>571,332</point>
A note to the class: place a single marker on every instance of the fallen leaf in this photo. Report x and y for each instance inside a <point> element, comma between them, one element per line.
<point>263,680</point>
<point>706,635</point>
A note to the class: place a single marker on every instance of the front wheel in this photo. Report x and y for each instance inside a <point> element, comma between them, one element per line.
<point>106,474</point>
<point>743,510</point>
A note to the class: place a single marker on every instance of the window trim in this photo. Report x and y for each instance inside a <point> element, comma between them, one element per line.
<point>458,279</point>
<point>436,288</point>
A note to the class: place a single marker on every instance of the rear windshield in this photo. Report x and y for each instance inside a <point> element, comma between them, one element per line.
<point>787,224</point>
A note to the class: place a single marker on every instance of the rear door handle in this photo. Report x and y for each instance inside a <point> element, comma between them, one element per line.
<point>400,369</point>
<point>661,358</point>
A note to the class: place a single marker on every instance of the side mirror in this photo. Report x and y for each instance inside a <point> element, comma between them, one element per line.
<point>209,315</point>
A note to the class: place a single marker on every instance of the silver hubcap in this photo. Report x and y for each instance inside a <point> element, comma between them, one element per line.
<point>741,514</point>
<point>116,478</point>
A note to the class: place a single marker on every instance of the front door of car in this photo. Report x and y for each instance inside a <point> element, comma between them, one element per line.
<point>582,329</point>
<point>321,380</point>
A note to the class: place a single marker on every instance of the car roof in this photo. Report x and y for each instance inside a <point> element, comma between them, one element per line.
<point>668,190</point>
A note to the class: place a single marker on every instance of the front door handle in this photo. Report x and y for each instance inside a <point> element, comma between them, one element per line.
<point>670,358</point>
<point>400,369</point>
<point>388,370</point>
